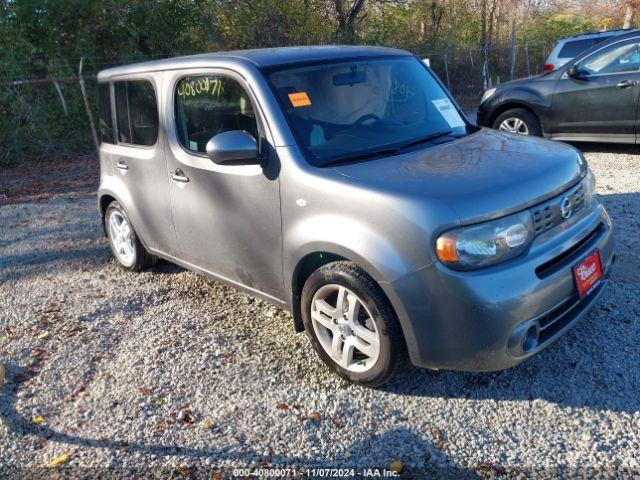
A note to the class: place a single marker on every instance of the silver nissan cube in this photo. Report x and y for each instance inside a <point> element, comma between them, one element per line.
<point>346,185</point>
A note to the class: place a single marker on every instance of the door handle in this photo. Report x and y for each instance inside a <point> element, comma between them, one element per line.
<point>122,165</point>
<point>626,84</point>
<point>179,176</point>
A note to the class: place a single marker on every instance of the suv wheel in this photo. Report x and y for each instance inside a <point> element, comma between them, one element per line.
<point>520,121</point>
<point>125,244</point>
<point>351,324</point>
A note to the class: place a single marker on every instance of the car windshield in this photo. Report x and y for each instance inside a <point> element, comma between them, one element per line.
<point>346,110</point>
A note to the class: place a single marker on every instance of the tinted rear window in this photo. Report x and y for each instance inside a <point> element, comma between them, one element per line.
<point>575,47</point>
<point>136,112</point>
<point>105,125</point>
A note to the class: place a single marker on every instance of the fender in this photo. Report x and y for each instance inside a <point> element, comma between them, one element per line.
<point>520,96</point>
<point>346,238</point>
<point>355,242</point>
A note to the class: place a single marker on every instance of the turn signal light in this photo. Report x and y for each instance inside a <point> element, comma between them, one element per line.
<point>446,249</point>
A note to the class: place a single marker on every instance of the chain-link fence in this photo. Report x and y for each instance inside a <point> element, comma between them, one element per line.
<point>468,72</point>
<point>44,115</point>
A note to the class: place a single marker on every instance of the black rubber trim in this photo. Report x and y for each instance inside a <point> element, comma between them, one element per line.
<point>572,254</point>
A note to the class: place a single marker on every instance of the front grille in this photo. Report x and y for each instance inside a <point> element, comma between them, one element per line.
<point>548,214</point>
<point>572,254</point>
<point>561,316</point>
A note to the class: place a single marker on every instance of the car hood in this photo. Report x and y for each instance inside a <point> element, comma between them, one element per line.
<point>485,175</point>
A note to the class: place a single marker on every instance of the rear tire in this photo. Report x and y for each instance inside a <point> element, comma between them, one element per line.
<point>520,121</point>
<point>125,244</point>
<point>351,324</point>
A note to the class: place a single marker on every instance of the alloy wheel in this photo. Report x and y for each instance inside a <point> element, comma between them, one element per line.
<point>514,125</point>
<point>345,328</point>
<point>121,236</point>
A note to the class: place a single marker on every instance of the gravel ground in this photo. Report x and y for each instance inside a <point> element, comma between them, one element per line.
<point>171,373</point>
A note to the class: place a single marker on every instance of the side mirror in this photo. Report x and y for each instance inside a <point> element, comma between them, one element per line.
<point>575,72</point>
<point>234,147</point>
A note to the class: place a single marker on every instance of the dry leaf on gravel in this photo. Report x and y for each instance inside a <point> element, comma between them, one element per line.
<point>491,467</point>
<point>336,421</point>
<point>396,466</point>
<point>37,420</point>
<point>59,460</point>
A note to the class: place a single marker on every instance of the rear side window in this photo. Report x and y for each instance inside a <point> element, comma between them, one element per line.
<point>208,105</point>
<point>576,47</point>
<point>136,112</point>
<point>105,124</point>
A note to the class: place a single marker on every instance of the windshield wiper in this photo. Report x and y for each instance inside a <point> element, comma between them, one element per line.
<point>383,152</point>
<point>425,139</point>
<point>359,156</point>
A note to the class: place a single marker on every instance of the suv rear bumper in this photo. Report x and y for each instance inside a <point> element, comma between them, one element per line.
<point>478,321</point>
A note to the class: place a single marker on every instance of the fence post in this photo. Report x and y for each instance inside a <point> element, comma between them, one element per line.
<point>62,101</point>
<point>446,67</point>
<point>87,108</point>
<point>485,66</point>
<point>526,51</point>
<point>513,49</point>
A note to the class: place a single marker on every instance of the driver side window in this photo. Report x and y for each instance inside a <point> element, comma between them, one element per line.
<point>207,105</point>
<point>617,58</point>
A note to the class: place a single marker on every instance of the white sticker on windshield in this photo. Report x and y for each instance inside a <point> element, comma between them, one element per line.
<point>449,112</point>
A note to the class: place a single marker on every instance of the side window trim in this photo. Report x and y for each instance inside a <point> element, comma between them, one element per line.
<point>132,78</point>
<point>221,72</point>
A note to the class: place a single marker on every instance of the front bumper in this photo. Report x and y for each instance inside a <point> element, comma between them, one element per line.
<point>482,116</point>
<point>478,321</point>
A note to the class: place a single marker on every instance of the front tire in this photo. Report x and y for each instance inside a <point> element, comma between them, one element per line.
<point>520,121</point>
<point>125,244</point>
<point>351,324</point>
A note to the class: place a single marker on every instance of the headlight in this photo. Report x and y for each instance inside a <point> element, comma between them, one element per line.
<point>487,243</point>
<point>589,183</point>
<point>487,95</point>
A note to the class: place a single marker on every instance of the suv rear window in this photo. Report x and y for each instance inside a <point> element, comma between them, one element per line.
<point>575,47</point>
<point>136,112</point>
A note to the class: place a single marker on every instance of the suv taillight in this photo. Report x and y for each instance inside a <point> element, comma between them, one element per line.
<point>548,67</point>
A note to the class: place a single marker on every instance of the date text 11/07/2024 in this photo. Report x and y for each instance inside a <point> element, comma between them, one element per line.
<point>317,472</point>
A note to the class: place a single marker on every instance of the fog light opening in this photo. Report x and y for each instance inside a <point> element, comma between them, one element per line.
<point>530,339</point>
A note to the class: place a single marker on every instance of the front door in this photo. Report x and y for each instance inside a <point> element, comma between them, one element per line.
<point>602,101</point>
<point>227,217</point>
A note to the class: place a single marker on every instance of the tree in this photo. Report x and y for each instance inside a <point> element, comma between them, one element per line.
<point>631,5</point>
<point>347,12</point>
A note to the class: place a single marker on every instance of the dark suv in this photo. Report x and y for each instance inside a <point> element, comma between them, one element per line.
<point>592,98</point>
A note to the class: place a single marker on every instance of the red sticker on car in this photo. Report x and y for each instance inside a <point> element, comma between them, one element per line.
<point>587,273</point>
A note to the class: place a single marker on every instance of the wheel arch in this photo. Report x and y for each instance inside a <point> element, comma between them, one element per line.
<point>104,201</point>
<point>511,106</point>
<point>316,258</point>
<point>301,272</point>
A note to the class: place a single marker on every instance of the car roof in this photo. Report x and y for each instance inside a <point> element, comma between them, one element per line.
<point>599,33</point>
<point>261,58</point>
<point>618,38</point>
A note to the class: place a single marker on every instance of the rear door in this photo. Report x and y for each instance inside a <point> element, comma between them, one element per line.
<point>602,101</point>
<point>139,160</point>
